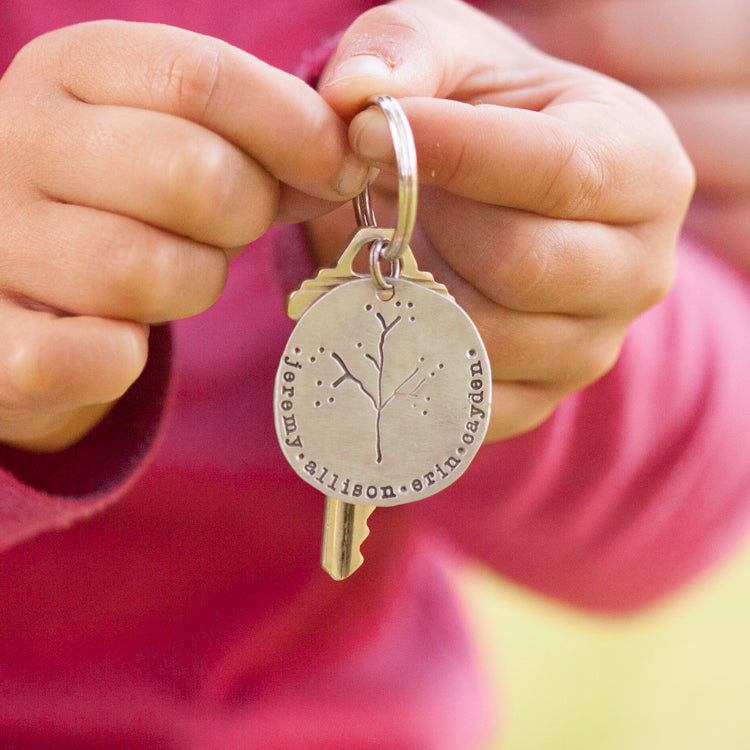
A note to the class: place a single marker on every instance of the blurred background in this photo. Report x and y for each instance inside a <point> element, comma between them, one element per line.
<point>675,677</point>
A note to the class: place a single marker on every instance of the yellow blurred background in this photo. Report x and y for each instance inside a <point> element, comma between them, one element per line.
<point>676,677</point>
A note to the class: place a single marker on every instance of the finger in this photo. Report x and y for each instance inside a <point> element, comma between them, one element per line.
<point>159,169</point>
<point>557,351</point>
<point>545,349</point>
<point>518,408</point>
<point>273,116</point>
<point>530,263</point>
<point>521,159</point>
<point>91,262</point>
<point>528,132</point>
<point>54,364</point>
<point>408,48</point>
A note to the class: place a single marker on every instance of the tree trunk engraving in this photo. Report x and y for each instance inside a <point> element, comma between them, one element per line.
<point>409,387</point>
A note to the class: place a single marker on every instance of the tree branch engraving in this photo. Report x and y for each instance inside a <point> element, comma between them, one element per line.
<point>409,387</point>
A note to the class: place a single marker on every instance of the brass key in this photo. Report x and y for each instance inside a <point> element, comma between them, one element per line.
<point>344,529</point>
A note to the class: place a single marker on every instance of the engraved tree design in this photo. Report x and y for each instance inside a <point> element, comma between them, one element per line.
<point>409,387</point>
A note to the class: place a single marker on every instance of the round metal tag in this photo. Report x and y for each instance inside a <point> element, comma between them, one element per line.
<point>382,402</point>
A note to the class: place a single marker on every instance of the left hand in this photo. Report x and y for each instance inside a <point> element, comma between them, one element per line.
<point>551,197</point>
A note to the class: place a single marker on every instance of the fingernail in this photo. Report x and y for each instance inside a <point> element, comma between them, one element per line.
<point>359,66</point>
<point>372,139</point>
<point>352,178</point>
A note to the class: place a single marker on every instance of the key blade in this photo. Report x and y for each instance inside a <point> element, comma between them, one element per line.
<point>344,530</point>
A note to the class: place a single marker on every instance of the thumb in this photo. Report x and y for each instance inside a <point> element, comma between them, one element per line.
<point>408,48</point>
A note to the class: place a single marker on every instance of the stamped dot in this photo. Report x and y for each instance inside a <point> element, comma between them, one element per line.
<point>410,305</point>
<point>441,366</point>
<point>460,450</point>
<point>301,457</point>
<point>397,303</point>
<point>368,307</point>
<point>331,400</point>
<point>317,404</point>
<point>421,359</point>
<point>471,353</point>
<point>403,490</point>
<point>412,319</point>
<point>297,350</point>
<point>359,345</point>
<point>424,413</point>
<point>321,350</point>
<point>313,360</point>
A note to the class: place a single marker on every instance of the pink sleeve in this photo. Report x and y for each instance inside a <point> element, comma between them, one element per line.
<point>39,492</point>
<point>639,482</point>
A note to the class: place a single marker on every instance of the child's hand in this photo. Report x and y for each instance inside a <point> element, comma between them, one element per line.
<point>691,57</point>
<point>135,160</point>
<point>551,196</point>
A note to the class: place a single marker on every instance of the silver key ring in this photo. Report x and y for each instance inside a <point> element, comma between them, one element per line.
<point>376,255</point>
<point>406,164</point>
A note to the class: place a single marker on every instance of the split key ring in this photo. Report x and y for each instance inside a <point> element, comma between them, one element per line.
<point>406,164</point>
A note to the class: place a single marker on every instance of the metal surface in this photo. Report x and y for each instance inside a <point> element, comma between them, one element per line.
<point>344,530</point>
<point>406,164</point>
<point>327,279</point>
<point>382,402</point>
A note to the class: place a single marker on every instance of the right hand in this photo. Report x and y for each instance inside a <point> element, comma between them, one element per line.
<point>691,58</point>
<point>136,161</point>
<point>551,197</point>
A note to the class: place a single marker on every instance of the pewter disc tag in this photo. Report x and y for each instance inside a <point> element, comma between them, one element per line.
<point>382,402</point>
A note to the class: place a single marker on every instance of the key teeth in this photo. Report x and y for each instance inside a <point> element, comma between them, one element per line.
<point>341,557</point>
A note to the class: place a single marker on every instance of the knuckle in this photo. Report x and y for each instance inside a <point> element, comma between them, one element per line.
<point>33,376</point>
<point>200,180</point>
<point>34,365</point>
<point>209,185</point>
<point>70,362</point>
<point>170,279</point>
<point>133,284</point>
<point>579,179</point>
<point>28,389</point>
<point>141,282</point>
<point>189,77</point>
<point>524,275</point>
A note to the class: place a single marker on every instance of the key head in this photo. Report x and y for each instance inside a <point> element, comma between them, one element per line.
<point>382,401</point>
<point>327,279</point>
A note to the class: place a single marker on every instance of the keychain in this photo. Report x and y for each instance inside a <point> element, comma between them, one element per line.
<point>382,395</point>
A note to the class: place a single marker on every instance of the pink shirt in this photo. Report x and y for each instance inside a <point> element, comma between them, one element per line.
<point>159,582</point>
